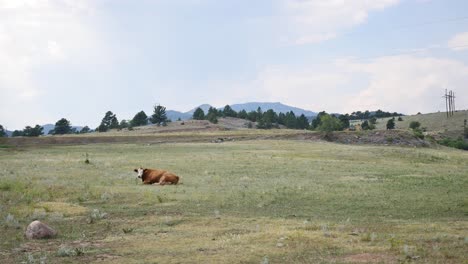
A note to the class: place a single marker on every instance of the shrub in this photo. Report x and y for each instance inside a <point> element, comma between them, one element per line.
<point>418,133</point>
<point>414,124</point>
<point>458,143</point>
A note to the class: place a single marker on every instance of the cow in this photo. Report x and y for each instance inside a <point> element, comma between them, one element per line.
<point>150,176</point>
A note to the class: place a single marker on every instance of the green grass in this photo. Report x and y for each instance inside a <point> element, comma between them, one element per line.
<point>239,202</point>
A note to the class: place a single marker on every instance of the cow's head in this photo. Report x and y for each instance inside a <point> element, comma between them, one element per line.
<point>140,172</point>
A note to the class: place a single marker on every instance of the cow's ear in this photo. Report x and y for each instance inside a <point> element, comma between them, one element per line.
<point>135,170</point>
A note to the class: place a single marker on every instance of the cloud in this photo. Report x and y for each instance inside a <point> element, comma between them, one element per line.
<point>459,42</point>
<point>408,84</point>
<point>313,21</point>
<point>33,34</point>
<point>404,83</point>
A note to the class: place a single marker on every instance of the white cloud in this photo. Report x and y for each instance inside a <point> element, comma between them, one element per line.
<point>313,21</point>
<point>405,83</point>
<point>34,33</point>
<point>459,41</point>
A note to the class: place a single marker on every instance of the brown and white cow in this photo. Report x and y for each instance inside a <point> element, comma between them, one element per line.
<point>150,176</point>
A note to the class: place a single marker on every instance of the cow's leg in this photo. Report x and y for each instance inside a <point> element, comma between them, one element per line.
<point>162,181</point>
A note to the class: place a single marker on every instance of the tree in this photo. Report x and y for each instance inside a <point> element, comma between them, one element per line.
<point>17,133</point>
<point>290,120</point>
<point>199,114</point>
<point>85,130</point>
<point>159,116</point>
<point>30,131</point>
<point>373,120</point>
<point>140,119</point>
<point>2,132</point>
<point>242,114</point>
<point>267,119</point>
<point>365,125</point>
<point>391,124</point>
<point>212,115</point>
<point>318,120</point>
<point>108,122</point>
<point>400,119</point>
<point>229,112</point>
<point>123,124</point>
<point>344,119</point>
<point>302,122</point>
<point>252,116</point>
<point>62,127</point>
<point>414,125</point>
<point>329,124</point>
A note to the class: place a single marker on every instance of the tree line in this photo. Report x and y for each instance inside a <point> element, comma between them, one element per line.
<point>109,121</point>
<point>264,120</point>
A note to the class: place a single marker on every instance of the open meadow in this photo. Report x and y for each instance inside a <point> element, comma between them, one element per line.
<point>255,201</point>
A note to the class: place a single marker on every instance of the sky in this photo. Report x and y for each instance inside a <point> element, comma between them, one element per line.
<point>78,59</point>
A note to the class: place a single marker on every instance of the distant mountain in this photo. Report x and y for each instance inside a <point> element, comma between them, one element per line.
<point>175,115</point>
<point>204,107</point>
<point>277,107</point>
<point>252,106</point>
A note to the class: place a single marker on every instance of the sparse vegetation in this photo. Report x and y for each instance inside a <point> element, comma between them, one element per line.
<point>340,200</point>
<point>458,143</point>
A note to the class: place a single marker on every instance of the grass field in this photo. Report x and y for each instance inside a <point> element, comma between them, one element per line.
<point>259,201</point>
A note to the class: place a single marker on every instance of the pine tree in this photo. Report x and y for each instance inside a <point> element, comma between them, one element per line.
<point>391,124</point>
<point>344,119</point>
<point>123,124</point>
<point>199,114</point>
<point>229,112</point>
<point>290,120</point>
<point>2,132</point>
<point>159,116</point>
<point>85,130</point>
<point>108,122</point>
<point>62,127</point>
<point>302,122</point>
<point>140,119</point>
<point>242,114</point>
<point>32,131</point>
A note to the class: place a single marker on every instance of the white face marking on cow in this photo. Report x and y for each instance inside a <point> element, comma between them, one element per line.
<point>140,172</point>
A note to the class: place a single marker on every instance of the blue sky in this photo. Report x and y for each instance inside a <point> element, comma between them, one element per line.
<point>78,59</point>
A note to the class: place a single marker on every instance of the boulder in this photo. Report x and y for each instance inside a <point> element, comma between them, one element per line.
<point>39,230</point>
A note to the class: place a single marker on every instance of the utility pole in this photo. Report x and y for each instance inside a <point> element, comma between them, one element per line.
<point>449,102</point>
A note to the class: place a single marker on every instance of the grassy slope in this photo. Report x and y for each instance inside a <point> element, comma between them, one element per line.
<point>434,122</point>
<point>240,202</point>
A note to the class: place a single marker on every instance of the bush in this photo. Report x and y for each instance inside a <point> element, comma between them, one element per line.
<point>414,124</point>
<point>458,143</point>
<point>418,133</point>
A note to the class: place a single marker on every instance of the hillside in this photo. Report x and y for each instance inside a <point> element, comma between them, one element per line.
<point>435,123</point>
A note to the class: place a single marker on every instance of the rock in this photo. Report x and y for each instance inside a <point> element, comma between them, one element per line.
<point>39,230</point>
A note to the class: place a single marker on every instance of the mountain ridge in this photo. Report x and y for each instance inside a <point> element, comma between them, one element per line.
<point>249,106</point>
